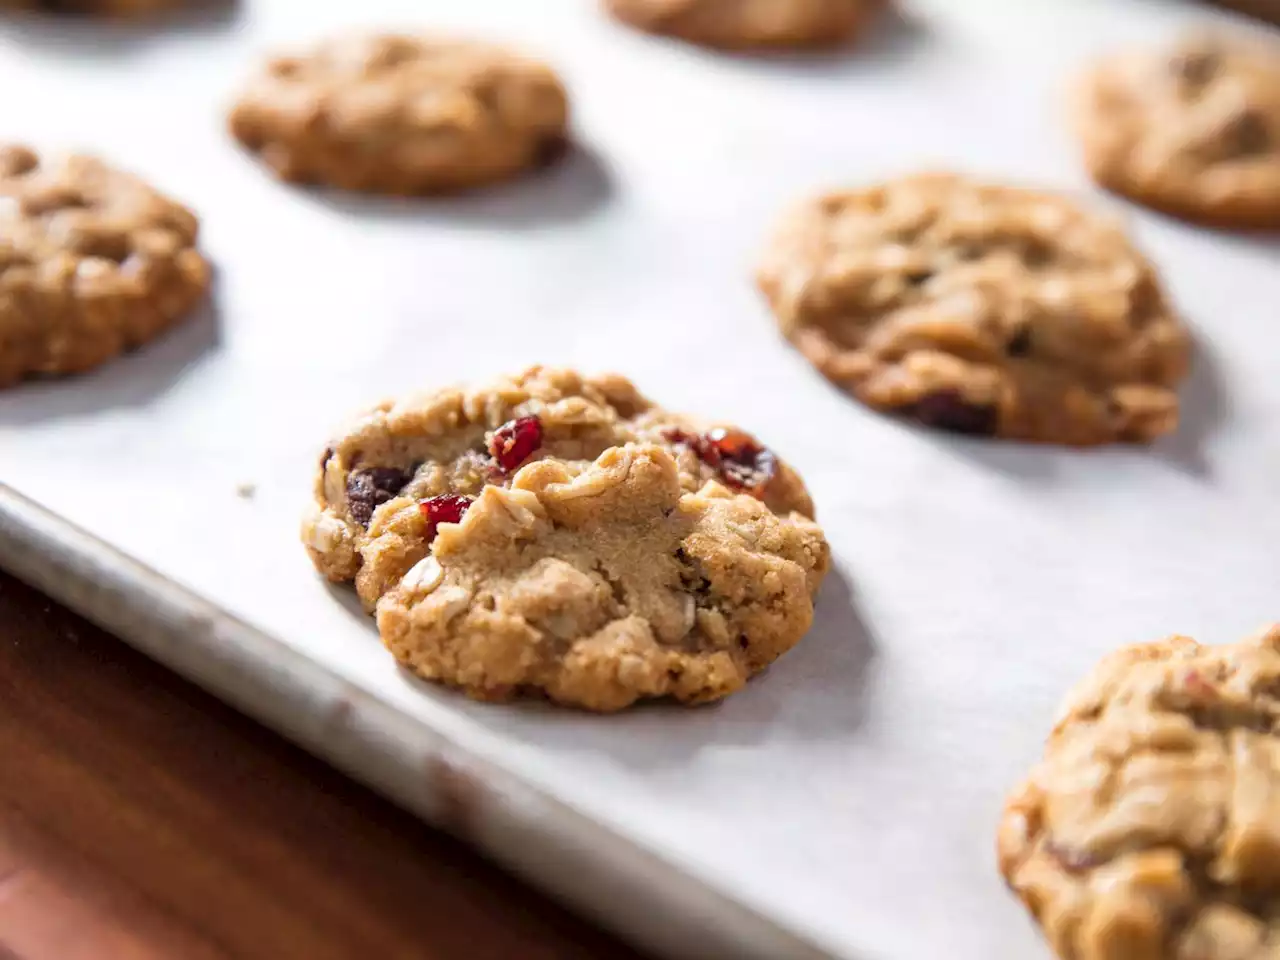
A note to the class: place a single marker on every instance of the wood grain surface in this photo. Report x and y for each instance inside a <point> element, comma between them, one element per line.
<point>141,819</point>
<point>1268,10</point>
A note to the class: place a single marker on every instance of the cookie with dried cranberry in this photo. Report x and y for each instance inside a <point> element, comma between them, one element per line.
<point>1192,130</point>
<point>93,262</point>
<point>1150,828</point>
<point>980,309</point>
<point>560,534</point>
<point>745,24</point>
<point>402,115</point>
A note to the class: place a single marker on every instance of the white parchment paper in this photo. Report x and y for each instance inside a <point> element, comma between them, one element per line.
<point>853,791</point>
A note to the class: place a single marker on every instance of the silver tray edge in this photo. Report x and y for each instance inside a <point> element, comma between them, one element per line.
<point>640,896</point>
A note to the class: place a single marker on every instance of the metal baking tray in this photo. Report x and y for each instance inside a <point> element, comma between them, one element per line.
<point>844,804</point>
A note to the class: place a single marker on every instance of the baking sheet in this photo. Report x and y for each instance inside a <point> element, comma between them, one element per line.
<point>851,794</point>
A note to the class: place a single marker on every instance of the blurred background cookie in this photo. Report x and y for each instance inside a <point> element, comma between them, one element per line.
<point>93,262</point>
<point>979,309</point>
<point>1193,130</point>
<point>1148,830</point>
<point>743,24</point>
<point>402,115</point>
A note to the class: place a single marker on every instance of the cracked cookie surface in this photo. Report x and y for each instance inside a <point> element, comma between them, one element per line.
<point>980,309</point>
<point>1193,130</point>
<point>560,534</point>
<point>1149,831</point>
<point>402,114</point>
<point>742,24</point>
<point>93,262</point>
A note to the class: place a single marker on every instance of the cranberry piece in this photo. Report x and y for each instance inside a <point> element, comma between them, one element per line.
<point>695,442</point>
<point>949,410</point>
<point>447,508</point>
<point>515,442</point>
<point>743,462</point>
<point>369,489</point>
<point>735,455</point>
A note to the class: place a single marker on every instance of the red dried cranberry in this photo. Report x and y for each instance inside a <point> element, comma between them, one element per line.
<point>743,462</point>
<point>447,508</point>
<point>515,442</point>
<point>695,442</point>
<point>735,455</point>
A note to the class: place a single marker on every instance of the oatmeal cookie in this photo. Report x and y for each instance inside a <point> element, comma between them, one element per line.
<point>740,24</point>
<point>735,24</point>
<point>1150,830</point>
<point>402,115</point>
<point>92,262</point>
<point>980,309</point>
<point>561,534</point>
<point>1193,130</point>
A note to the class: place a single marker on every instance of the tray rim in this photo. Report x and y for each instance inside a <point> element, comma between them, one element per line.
<point>561,851</point>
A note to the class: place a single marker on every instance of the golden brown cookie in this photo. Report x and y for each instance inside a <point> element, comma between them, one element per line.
<point>92,262</point>
<point>980,309</point>
<point>1151,829</point>
<point>742,24</point>
<point>402,115</point>
<point>559,534</point>
<point>1193,130</point>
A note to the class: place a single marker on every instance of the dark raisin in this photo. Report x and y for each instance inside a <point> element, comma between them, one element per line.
<point>326,457</point>
<point>949,410</point>
<point>1246,134</point>
<point>369,489</point>
<point>918,277</point>
<point>1019,344</point>
<point>1196,67</point>
<point>515,442</point>
<point>448,508</point>
<point>550,150</point>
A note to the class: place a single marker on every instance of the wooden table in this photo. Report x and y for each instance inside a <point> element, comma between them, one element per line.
<point>141,819</point>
